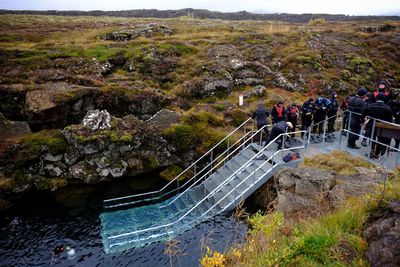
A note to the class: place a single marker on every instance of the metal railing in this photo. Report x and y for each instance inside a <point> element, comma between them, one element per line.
<point>210,194</point>
<point>217,166</point>
<point>371,139</point>
<point>174,185</point>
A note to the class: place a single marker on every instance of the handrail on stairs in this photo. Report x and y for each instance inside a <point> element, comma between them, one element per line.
<point>247,177</point>
<point>370,138</point>
<point>215,166</point>
<point>205,197</point>
<point>176,179</point>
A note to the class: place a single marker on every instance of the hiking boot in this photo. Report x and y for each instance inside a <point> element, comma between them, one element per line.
<point>364,142</point>
<point>344,133</point>
<point>372,155</point>
<point>353,146</point>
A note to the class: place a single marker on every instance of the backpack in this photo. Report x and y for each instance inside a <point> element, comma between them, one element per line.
<point>291,156</point>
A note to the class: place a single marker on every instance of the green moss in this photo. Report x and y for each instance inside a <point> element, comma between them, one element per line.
<point>183,136</point>
<point>171,172</point>
<point>238,116</point>
<point>177,48</point>
<point>33,59</point>
<point>32,145</point>
<point>51,184</point>
<point>220,107</point>
<point>358,64</point>
<point>203,117</point>
<point>345,74</point>
<point>102,52</point>
<point>120,138</point>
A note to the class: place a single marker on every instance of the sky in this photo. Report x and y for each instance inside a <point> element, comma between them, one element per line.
<point>348,7</point>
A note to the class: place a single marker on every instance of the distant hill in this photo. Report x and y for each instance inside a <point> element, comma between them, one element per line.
<point>203,14</point>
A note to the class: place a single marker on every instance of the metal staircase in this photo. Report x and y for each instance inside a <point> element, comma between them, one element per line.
<point>218,186</point>
<point>226,174</point>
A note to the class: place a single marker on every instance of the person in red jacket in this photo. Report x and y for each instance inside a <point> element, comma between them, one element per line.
<point>278,112</point>
<point>292,113</point>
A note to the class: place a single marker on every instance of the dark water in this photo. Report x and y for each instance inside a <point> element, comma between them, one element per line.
<point>30,231</point>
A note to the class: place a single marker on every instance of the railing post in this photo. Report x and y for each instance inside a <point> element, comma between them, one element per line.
<point>211,163</point>
<point>397,158</point>
<point>372,139</point>
<point>309,135</point>
<point>341,130</point>
<point>324,134</point>
<point>244,132</point>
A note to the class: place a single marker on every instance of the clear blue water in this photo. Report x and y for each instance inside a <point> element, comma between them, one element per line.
<point>32,229</point>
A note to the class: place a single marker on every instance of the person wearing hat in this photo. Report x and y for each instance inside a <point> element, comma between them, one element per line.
<point>378,110</point>
<point>292,114</point>
<point>356,104</point>
<point>307,111</point>
<point>280,128</point>
<point>278,112</point>
<point>333,108</point>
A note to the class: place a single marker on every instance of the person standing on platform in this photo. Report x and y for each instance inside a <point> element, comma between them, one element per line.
<point>278,112</point>
<point>307,112</point>
<point>333,108</point>
<point>321,106</point>
<point>356,104</point>
<point>261,115</point>
<point>378,110</point>
<point>345,114</point>
<point>292,115</point>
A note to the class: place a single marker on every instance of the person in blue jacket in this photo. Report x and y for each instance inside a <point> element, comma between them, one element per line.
<point>333,108</point>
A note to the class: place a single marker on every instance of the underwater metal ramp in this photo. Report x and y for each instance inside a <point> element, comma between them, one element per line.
<point>217,182</point>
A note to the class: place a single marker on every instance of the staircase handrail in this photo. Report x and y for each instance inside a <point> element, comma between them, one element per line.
<point>193,177</point>
<point>204,198</point>
<point>247,177</point>
<point>192,185</point>
<point>179,175</point>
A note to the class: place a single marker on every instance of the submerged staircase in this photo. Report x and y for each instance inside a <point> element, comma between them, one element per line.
<point>218,187</point>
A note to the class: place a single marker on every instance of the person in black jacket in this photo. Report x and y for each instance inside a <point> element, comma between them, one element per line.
<point>356,104</point>
<point>307,111</point>
<point>280,128</point>
<point>321,108</point>
<point>378,110</point>
<point>278,112</point>
<point>345,114</point>
<point>261,115</point>
<point>333,108</point>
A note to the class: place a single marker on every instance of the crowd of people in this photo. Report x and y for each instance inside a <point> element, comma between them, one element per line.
<point>356,109</point>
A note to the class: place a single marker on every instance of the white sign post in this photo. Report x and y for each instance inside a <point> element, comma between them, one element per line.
<point>241,100</point>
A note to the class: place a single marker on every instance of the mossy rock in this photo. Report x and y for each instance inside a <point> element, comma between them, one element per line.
<point>183,136</point>
<point>359,64</point>
<point>204,117</point>
<point>33,144</point>
<point>50,184</point>
<point>238,116</point>
<point>7,184</point>
<point>171,172</point>
<point>220,107</point>
<point>345,74</point>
